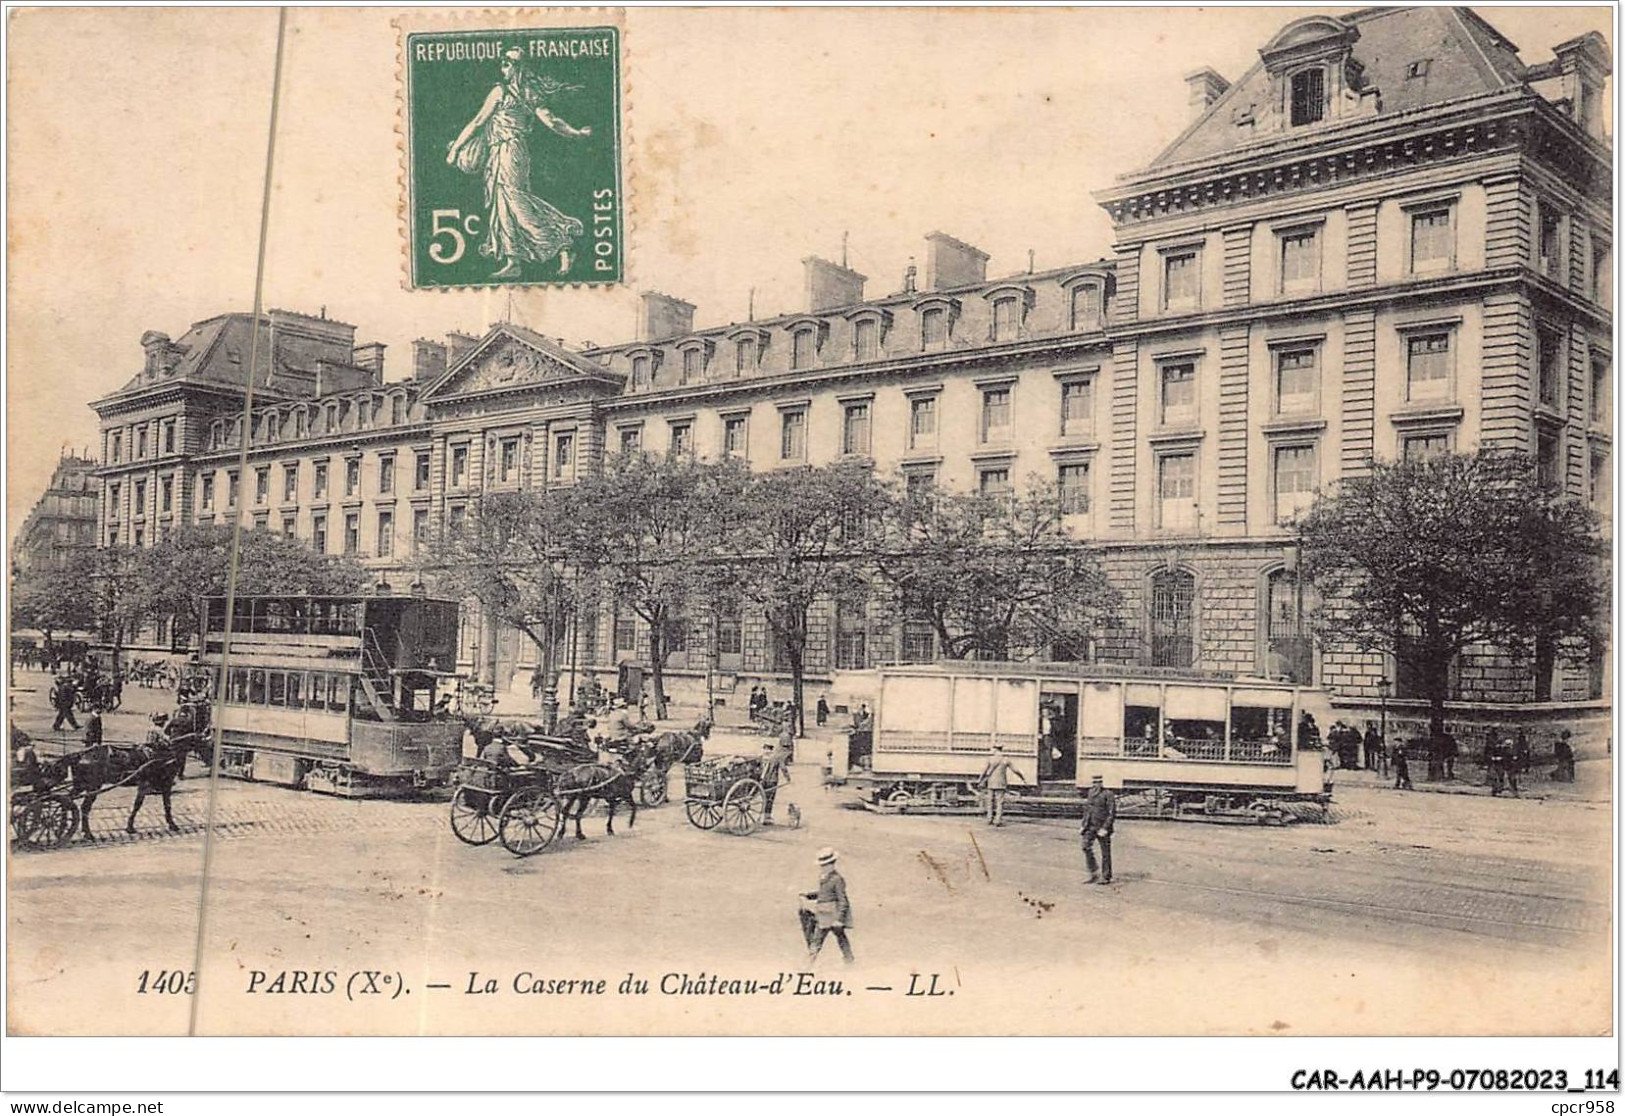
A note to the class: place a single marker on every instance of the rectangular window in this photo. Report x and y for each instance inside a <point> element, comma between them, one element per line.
<point>626,634</point>
<point>262,521</point>
<point>115,451</point>
<point>318,533</point>
<point>1602,272</point>
<point>1300,261</point>
<point>205,487</point>
<point>319,485</point>
<point>1308,97</point>
<point>1297,381</point>
<point>352,476</point>
<point>1176,491</point>
<point>140,442</point>
<point>1086,307</point>
<point>1179,394</point>
<point>801,348</point>
<point>851,635</point>
<point>288,523</point>
<point>1601,493</point>
<point>352,532</point>
<point>1074,489</point>
<point>386,475</point>
<point>866,339</point>
<point>1077,407</point>
<point>682,439</point>
<point>1551,244</point>
<point>855,428</point>
<point>420,471</point>
<point>922,422</point>
<point>386,534</point>
<point>1295,481</point>
<point>262,485</point>
<point>993,482</point>
<point>995,415</point>
<point>1181,281</point>
<point>933,328</point>
<point>1551,355</point>
<point>508,460</point>
<point>231,489</point>
<point>793,436</point>
<point>564,456</point>
<point>1548,459</point>
<point>459,466</point>
<point>141,536</point>
<point>290,484</point>
<point>735,431</point>
<point>1423,447</point>
<point>631,439</point>
<point>640,372</point>
<point>1601,389</point>
<point>744,355</point>
<point>166,494</point>
<point>140,489</point>
<point>1427,367</point>
<point>1006,323</point>
<point>420,529</point>
<point>457,518</point>
<point>691,364</point>
<point>169,436</point>
<point>919,486</point>
<point>1433,240</point>
<point>730,633</point>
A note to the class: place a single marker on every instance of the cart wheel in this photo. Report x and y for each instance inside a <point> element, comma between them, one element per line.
<point>47,823</point>
<point>471,817</point>
<point>652,787</point>
<point>530,821</point>
<point>901,798</point>
<point>703,813</point>
<point>742,810</point>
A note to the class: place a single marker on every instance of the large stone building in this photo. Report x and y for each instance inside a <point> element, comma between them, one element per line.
<point>62,521</point>
<point>1389,237</point>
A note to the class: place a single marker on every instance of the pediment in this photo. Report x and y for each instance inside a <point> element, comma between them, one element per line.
<point>505,361</point>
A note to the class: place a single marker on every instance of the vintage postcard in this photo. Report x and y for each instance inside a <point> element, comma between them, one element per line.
<point>813,522</point>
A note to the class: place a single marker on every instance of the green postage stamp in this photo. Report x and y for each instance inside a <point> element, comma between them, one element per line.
<point>513,157</point>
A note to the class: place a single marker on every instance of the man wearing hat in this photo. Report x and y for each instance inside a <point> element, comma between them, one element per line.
<point>831,912</point>
<point>1099,815</point>
<point>996,778</point>
<point>774,771</point>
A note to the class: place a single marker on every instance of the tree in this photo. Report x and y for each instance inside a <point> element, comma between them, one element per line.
<point>164,582</point>
<point>998,576</point>
<point>647,528</point>
<point>511,556</point>
<point>1424,559</point>
<point>800,536</point>
<point>57,599</point>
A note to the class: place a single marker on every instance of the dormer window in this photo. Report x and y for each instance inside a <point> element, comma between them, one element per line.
<point>640,372</point>
<point>1308,96</point>
<point>693,364</point>
<point>744,355</point>
<point>934,328</point>
<point>1086,307</point>
<point>803,345</point>
<point>1006,319</point>
<point>866,339</point>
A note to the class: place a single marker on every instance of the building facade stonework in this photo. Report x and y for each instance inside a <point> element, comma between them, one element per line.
<point>1391,237</point>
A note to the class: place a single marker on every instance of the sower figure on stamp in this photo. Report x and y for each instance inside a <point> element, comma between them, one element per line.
<point>519,226</point>
<point>996,778</point>
<point>1099,816</point>
<point>831,911</point>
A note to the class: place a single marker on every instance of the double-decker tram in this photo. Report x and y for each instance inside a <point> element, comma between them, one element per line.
<point>336,694</point>
<point>1175,744</point>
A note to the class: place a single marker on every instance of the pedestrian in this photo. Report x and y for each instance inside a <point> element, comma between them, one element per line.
<point>821,711</point>
<point>831,910</point>
<point>63,696</point>
<point>1402,769</point>
<point>93,727</point>
<point>996,778</point>
<point>787,743</point>
<point>1099,816</point>
<point>757,700</point>
<point>1563,752</point>
<point>861,720</point>
<point>1509,764</point>
<point>1521,753</point>
<point>775,770</point>
<point>1376,752</point>
<point>1450,750</point>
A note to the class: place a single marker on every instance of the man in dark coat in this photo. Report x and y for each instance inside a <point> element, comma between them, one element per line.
<point>1563,751</point>
<point>1376,752</point>
<point>831,911</point>
<point>1099,816</point>
<point>63,695</point>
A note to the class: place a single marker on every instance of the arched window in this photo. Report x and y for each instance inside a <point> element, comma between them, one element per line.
<point>1288,639</point>
<point>1173,618</point>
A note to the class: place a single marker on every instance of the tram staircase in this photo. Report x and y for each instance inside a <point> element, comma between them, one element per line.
<point>375,680</point>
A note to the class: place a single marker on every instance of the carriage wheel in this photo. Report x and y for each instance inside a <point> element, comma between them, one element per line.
<point>471,817</point>
<point>47,823</point>
<point>652,787</point>
<point>744,807</point>
<point>703,813</point>
<point>530,821</point>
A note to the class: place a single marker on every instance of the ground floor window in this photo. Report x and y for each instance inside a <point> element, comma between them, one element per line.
<point>1173,608</point>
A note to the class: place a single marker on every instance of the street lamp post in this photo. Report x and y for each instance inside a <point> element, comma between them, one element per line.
<point>1382,696</point>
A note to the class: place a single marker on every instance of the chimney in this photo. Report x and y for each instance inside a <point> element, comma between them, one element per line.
<point>830,285</point>
<point>1584,64</point>
<point>460,345</point>
<point>1206,86</point>
<point>661,316</point>
<point>428,360</point>
<point>950,262</point>
<point>371,357</point>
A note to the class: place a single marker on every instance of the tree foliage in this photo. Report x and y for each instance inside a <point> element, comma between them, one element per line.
<point>1424,559</point>
<point>998,576</point>
<point>57,600</point>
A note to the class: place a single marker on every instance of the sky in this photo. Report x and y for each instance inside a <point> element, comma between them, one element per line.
<point>137,141</point>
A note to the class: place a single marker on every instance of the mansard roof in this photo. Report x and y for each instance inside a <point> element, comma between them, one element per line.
<point>1462,56</point>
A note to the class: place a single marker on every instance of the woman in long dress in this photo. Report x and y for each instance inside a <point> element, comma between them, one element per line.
<point>519,226</point>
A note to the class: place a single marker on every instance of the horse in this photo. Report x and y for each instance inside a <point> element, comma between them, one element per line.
<point>674,748</point>
<point>152,770</point>
<point>612,783</point>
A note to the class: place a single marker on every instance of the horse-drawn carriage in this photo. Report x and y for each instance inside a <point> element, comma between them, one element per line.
<point>44,817</point>
<point>514,805</point>
<point>726,791</point>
